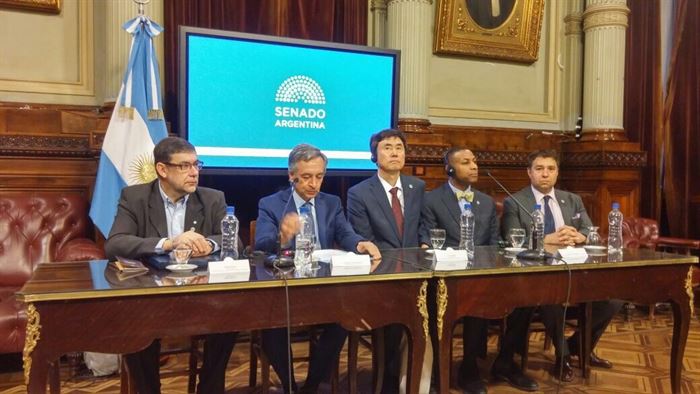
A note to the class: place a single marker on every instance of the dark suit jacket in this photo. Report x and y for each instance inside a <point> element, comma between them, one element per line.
<point>370,214</point>
<point>441,210</point>
<point>571,205</point>
<point>333,227</point>
<point>141,222</point>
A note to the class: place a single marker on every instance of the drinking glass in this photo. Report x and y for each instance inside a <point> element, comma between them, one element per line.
<point>437,238</point>
<point>593,238</point>
<point>517,237</point>
<point>182,254</point>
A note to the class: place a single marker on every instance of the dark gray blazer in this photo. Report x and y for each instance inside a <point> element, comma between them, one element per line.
<point>571,205</point>
<point>141,222</point>
<point>371,216</point>
<point>441,210</point>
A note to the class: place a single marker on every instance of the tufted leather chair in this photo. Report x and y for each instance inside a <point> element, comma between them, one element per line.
<point>36,227</point>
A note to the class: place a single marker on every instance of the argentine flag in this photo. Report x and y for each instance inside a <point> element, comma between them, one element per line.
<point>135,127</point>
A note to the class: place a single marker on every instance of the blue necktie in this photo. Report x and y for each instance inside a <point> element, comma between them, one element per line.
<point>548,217</point>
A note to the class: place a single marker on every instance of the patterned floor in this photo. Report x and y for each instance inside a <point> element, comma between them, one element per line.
<point>639,348</point>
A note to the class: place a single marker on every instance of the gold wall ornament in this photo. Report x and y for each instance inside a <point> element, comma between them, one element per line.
<point>441,306</point>
<point>497,29</point>
<point>48,6</point>
<point>422,305</point>
<point>32,337</point>
<point>689,290</point>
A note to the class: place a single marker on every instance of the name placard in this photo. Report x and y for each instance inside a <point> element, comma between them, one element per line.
<point>572,255</point>
<point>350,264</point>
<point>229,270</point>
<point>450,260</point>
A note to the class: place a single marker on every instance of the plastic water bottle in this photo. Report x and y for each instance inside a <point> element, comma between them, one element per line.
<point>304,239</point>
<point>229,234</point>
<point>615,229</point>
<point>537,231</point>
<point>466,230</point>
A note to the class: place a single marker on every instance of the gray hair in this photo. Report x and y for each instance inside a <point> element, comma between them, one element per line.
<point>304,152</point>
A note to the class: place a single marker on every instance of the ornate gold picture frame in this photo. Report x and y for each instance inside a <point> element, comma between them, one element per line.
<point>48,6</point>
<point>497,29</point>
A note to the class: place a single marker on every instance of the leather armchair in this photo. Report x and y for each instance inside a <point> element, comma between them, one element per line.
<point>644,233</point>
<point>35,228</point>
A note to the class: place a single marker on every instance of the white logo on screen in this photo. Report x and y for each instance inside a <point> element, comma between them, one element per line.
<point>306,99</point>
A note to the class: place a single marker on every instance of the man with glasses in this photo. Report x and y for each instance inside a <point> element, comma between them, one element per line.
<point>278,221</point>
<point>157,217</point>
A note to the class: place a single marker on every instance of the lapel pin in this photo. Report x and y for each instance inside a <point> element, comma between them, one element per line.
<point>477,202</point>
<point>562,201</point>
<point>410,186</point>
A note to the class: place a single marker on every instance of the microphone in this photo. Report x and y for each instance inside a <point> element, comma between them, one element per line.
<point>280,260</point>
<point>529,254</point>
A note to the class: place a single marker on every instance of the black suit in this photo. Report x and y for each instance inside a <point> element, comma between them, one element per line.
<point>575,215</point>
<point>441,210</point>
<point>139,225</point>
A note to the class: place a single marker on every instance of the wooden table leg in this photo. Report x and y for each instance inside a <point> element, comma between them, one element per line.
<point>681,324</point>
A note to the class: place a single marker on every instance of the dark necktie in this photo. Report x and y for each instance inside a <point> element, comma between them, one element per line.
<point>548,217</point>
<point>396,208</point>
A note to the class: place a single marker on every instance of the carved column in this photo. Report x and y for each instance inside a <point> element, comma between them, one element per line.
<point>573,63</point>
<point>605,27</point>
<point>409,30</point>
<point>118,41</point>
<point>378,34</point>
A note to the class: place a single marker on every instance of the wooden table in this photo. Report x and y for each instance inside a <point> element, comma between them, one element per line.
<point>495,285</point>
<point>83,307</point>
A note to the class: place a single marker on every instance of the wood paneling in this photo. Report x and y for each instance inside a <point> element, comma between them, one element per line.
<point>58,147</point>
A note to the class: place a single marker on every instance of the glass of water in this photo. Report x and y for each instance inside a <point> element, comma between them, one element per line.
<point>182,254</point>
<point>437,238</point>
<point>517,237</point>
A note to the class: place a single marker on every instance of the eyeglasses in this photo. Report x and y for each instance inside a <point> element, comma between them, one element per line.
<point>186,167</point>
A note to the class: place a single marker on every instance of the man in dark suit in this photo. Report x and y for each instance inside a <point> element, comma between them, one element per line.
<point>385,209</point>
<point>278,219</point>
<point>566,224</point>
<point>442,208</point>
<point>152,219</point>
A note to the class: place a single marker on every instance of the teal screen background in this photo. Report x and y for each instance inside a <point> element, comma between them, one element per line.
<point>232,84</point>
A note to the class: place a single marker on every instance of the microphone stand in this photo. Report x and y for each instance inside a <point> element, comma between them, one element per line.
<point>529,254</point>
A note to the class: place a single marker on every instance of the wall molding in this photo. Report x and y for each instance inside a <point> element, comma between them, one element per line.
<point>85,85</point>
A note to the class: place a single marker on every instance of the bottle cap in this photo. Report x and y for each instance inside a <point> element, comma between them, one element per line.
<point>538,207</point>
<point>468,206</point>
<point>616,205</point>
<point>230,210</point>
<point>304,209</point>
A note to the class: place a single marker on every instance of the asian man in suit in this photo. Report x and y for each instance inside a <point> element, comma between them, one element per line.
<point>278,221</point>
<point>566,224</point>
<point>385,209</point>
<point>155,218</point>
<point>442,208</point>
